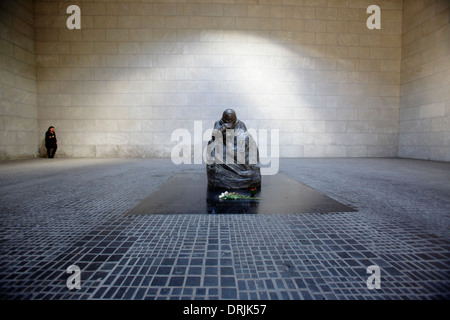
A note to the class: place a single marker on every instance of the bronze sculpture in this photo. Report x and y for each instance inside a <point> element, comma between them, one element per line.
<point>233,155</point>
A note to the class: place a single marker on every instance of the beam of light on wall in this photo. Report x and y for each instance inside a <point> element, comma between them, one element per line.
<point>262,79</point>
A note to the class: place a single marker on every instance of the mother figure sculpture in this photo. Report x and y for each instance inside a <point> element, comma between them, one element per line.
<point>233,157</point>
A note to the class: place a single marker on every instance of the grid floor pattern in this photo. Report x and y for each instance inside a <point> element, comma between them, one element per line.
<point>61,212</point>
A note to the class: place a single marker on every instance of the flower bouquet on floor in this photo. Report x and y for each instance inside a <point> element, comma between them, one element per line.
<point>236,196</point>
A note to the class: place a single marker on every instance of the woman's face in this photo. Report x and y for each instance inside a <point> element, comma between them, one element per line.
<point>51,130</point>
<point>229,118</point>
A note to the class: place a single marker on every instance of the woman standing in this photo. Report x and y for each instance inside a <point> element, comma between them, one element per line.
<point>51,144</point>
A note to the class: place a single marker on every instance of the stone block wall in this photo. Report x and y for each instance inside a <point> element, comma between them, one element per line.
<point>136,71</point>
<point>18,98</point>
<point>424,126</point>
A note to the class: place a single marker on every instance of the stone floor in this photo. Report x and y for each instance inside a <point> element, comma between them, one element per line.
<point>61,212</point>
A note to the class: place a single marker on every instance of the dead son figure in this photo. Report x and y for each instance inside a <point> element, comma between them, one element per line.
<point>233,157</point>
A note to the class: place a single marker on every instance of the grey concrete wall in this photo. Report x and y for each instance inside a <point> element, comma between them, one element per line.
<point>136,71</point>
<point>424,129</point>
<point>18,98</point>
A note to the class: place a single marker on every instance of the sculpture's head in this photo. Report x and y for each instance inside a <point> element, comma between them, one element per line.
<point>229,117</point>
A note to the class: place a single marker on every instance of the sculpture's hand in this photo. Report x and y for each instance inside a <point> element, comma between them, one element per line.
<point>223,129</point>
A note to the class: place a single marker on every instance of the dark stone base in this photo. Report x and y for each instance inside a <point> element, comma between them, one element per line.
<point>189,194</point>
